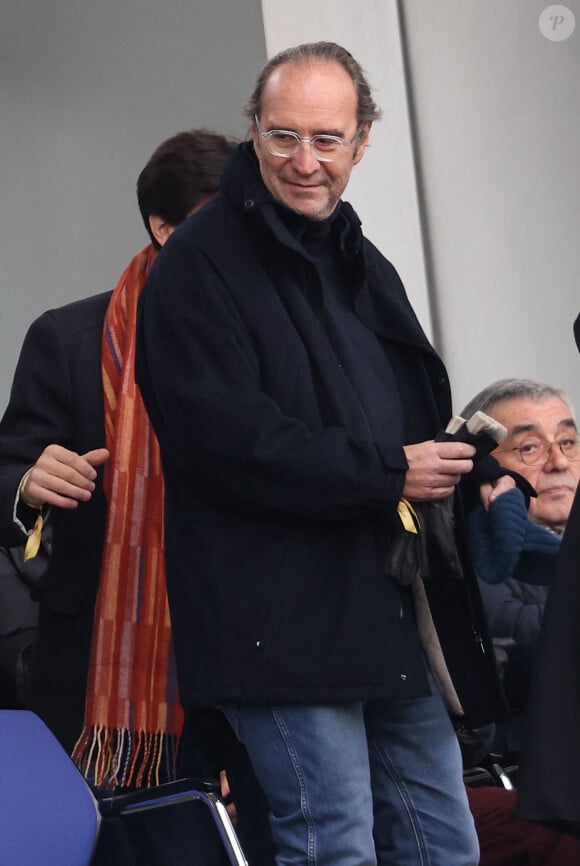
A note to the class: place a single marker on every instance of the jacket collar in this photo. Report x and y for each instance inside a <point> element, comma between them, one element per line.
<point>242,184</point>
<point>373,298</point>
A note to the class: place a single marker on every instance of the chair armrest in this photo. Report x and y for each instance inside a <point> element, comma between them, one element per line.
<point>149,798</point>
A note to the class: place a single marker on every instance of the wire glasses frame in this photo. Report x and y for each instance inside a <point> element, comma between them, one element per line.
<point>285,142</point>
<point>539,451</point>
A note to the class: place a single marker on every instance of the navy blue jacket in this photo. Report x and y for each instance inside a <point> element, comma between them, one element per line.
<point>279,508</point>
<point>504,543</point>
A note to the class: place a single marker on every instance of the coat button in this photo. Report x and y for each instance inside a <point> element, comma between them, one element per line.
<point>403,676</point>
<point>249,203</point>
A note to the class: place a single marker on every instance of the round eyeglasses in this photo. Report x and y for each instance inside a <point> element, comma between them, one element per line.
<point>285,143</point>
<point>537,451</point>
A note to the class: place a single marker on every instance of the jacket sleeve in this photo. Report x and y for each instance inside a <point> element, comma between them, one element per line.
<point>38,413</point>
<point>514,610</point>
<point>496,536</point>
<point>220,433</point>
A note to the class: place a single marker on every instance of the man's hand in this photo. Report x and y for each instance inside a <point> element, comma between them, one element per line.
<point>61,477</point>
<point>226,796</point>
<point>492,489</point>
<point>435,468</point>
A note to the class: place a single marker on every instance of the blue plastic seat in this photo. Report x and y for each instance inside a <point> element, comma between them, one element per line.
<point>49,815</point>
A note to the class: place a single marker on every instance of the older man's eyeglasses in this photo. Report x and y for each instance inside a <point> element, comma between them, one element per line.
<point>285,143</point>
<point>536,451</point>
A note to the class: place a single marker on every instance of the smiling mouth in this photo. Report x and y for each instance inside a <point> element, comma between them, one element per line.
<point>304,185</point>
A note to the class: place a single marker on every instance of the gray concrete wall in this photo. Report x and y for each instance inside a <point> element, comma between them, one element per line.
<point>497,122</point>
<point>87,91</point>
<point>471,186</point>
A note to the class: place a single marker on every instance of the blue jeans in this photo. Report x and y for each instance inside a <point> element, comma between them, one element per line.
<point>360,784</point>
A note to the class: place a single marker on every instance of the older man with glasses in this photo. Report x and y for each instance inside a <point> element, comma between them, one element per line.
<point>297,400</point>
<point>514,546</point>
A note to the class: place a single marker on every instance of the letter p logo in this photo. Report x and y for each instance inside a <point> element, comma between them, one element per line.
<point>557,23</point>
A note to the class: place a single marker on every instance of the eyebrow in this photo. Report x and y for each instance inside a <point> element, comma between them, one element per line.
<point>338,133</point>
<point>567,423</point>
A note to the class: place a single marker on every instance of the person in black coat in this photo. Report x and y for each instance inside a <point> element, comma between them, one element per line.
<point>56,408</point>
<point>514,544</point>
<point>548,789</point>
<point>296,400</point>
<point>52,440</point>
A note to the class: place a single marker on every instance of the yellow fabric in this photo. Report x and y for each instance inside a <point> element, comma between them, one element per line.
<point>408,516</point>
<point>32,545</point>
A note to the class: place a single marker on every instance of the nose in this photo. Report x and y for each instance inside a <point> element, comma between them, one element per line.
<point>557,460</point>
<point>304,160</point>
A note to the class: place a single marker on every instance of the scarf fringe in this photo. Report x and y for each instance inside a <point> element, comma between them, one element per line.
<point>113,758</point>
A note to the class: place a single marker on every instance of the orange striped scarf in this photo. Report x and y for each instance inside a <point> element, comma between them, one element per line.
<point>133,717</point>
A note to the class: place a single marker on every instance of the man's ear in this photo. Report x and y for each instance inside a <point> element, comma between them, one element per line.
<point>253,136</point>
<point>160,229</point>
<point>362,143</point>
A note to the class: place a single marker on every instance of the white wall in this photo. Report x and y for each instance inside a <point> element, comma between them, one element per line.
<point>498,121</point>
<point>483,228</point>
<point>87,91</point>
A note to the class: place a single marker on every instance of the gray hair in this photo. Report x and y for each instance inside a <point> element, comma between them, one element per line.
<point>367,110</point>
<point>513,389</point>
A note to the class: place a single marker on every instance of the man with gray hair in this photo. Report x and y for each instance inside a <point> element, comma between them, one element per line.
<point>541,444</point>
<point>514,547</point>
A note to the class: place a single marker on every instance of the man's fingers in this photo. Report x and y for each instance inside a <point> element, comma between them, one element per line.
<point>457,468</point>
<point>435,468</point>
<point>62,477</point>
<point>49,497</point>
<point>485,491</point>
<point>502,485</point>
<point>96,457</point>
<point>454,450</point>
<point>48,488</point>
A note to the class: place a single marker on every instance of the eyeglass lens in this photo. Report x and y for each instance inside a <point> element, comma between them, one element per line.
<point>539,452</point>
<point>288,143</point>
